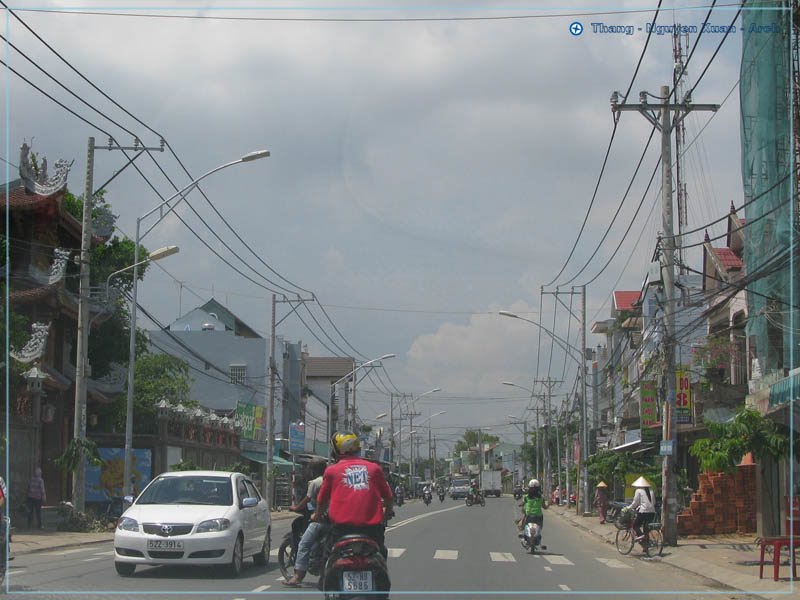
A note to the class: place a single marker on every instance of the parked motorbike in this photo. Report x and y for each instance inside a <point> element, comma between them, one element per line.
<point>287,551</point>
<point>477,499</point>
<point>530,537</point>
<point>356,570</point>
<point>426,498</point>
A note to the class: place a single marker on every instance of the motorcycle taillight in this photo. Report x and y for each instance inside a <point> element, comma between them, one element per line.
<point>352,562</point>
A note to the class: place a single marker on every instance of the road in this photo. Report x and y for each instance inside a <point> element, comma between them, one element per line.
<point>444,550</point>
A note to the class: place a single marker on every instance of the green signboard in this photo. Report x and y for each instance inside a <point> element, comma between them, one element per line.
<point>254,421</point>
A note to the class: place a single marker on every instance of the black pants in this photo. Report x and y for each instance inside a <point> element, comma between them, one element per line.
<point>34,508</point>
<point>642,519</point>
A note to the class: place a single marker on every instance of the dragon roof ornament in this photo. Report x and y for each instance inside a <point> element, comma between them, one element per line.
<point>59,265</point>
<point>36,345</point>
<point>36,180</point>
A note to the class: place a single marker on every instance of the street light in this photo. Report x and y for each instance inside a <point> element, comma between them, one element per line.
<point>411,417</point>
<point>127,484</point>
<point>153,256</point>
<point>581,360</point>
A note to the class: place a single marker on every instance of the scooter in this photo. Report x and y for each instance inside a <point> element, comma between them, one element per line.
<point>356,570</point>
<point>530,537</point>
<point>478,499</point>
<point>287,552</point>
<point>441,496</point>
<point>517,493</point>
<point>426,498</point>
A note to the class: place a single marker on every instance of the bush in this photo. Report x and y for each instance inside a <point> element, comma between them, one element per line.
<point>73,520</point>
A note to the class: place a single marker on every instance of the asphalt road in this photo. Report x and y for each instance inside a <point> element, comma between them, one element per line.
<point>444,550</point>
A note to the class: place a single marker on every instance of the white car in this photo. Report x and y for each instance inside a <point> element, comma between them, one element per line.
<point>194,518</point>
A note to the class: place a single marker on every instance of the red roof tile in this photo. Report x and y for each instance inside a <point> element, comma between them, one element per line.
<point>728,258</point>
<point>626,300</point>
<point>19,198</point>
<point>30,295</point>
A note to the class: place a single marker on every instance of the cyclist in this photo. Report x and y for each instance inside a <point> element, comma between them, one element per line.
<point>533,505</point>
<point>644,505</point>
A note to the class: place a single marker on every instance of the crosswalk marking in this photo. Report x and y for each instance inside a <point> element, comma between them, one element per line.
<point>566,588</point>
<point>274,552</point>
<point>396,552</point>
<point>93,559</point>
<point>446,555</point>
<point>261,588</point>
<point>557,560</point>
<point>502,557</point>
<point>613,563</point>
<point>548,568</point>
<point>17,572</point>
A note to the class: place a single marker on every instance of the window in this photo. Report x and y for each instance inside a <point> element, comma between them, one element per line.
<point>251,490</point>
<point>238,374</point>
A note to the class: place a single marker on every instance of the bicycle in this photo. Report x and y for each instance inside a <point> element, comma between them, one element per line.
<point>652,544</point>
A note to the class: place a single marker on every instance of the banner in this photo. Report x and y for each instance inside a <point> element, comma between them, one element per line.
<point>683,397</point>
<point>297,438</point>
<point>648,410</point>
<point>254,421</point>
<point>105,482</point>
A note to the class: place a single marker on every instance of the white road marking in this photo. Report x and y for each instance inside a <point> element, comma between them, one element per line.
<point>502,557</point>
<point>13,573</point>
<point>396,552</point>
<point>558,560</point>
<point>548,568</point>
<point>92,559</point>
<point>393,526</point>
<point>614,563</point>
<point>109,553</point>
<point>261,588</point>
<point>446,555</point>
<point>566,588</point>
<point>64,552</point>
<point>274,552</point>
<point>280,578</point>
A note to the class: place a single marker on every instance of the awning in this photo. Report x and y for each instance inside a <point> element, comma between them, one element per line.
<point>785,390</point>
<point>261,458</point>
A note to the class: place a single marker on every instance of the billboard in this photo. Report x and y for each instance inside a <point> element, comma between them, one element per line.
<point>683,397</point>
<point>297,438</point>
<point>253,418</point>
<point>648,410</point>
<point>105,482</point>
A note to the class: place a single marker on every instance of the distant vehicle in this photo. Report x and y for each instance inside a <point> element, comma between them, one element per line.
<point>459,488</point>
<point>194,518</point>
<point>492,483</point>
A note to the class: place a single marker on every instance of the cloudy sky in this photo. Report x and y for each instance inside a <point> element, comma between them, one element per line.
<point>431,165</point>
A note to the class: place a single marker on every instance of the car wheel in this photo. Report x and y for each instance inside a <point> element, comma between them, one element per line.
<point>124,569</point>
<point>237,558</point>
<point>261,559</point>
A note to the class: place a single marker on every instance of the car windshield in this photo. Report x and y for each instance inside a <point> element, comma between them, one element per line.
<point>460,482</point>
<point>192,489</point>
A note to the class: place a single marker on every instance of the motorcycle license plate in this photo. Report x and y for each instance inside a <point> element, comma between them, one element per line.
<point>357,581</point>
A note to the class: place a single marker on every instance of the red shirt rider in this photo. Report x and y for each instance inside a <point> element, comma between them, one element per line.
<point>353,490</point>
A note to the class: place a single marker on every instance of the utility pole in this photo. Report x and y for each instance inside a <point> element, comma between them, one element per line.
<point>411,416</point>
<point>391,427</point>
<point>587,511</point>
<point>671,115</point>
<point>269,479</point>
<point>548,384</point>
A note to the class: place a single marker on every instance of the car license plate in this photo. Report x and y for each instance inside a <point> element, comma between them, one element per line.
<point>164,545</point>
<point>357,581</point>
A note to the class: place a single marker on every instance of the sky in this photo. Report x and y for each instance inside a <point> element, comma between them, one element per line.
<point>431,164</point>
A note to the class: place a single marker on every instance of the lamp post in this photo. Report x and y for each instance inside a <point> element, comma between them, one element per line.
<point>411,415</point>
<point>340,380</point>
<point>580,358</point>
<point>430,455</point>
<point>127,484</point>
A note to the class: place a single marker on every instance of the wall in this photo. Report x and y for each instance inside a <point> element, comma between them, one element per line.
<point>722,504</point>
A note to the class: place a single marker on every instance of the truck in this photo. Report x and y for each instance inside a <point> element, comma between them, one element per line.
<point>459,487</point>
<point>491,483</point>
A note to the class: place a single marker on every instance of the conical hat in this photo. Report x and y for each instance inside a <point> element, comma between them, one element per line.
<point>602,484</point>
<point>641,482</point>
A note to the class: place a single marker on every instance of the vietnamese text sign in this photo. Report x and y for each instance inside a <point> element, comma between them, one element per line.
<point>683,396</point>
<point>254,421</point>
<point>297,438</point>
<point>648,410</point>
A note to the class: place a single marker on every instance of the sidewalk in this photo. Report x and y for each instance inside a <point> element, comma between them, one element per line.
<point>25,541</point>
<point>729,560</point>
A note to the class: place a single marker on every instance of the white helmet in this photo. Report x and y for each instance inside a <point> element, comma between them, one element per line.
<point>533,483</point>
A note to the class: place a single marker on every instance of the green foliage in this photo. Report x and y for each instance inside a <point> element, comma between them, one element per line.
<point>612,467</point>
<point>747,432</point>
<point>18,333</point>
<point>156,377</point>
<point>470,440</point>
<point>77,450</point>
<point>240,467</point>
<point>184,465</point>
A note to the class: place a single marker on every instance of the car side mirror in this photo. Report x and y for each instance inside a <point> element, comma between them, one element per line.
<point>249,502</point>
<point>128,500</point>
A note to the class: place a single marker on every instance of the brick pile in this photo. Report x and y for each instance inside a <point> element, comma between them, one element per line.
<point>722,504</point>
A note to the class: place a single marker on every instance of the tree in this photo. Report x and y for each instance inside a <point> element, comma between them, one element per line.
<point>747,432</point>
<point>156,377</point>
<point>470,440</point>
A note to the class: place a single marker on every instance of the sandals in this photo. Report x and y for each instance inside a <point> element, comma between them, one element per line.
<point>293,582</point>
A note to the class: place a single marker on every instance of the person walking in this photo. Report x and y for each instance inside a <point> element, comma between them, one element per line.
<point>601,500</point>
<point>36,497</point>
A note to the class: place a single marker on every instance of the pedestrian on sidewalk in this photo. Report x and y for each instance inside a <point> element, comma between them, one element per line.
<point>36,497</point>
<point>601,500</point>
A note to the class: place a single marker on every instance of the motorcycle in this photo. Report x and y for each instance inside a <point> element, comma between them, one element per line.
<point>356,570</point>
<point>426,498</point>
<point>517,493</point>
<point>531,536</point>
<point>477,499</point>
<point>398,499</point>
<point>287,551</point>
<point>441,496</point>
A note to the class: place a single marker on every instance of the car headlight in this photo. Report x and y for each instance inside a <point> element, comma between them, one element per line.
<point>128,524</point>
<point>213,525</point>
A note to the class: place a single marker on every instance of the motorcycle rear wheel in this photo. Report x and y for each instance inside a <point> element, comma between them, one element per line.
<point>286,557</point>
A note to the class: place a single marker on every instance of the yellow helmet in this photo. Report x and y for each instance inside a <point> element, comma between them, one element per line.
<point>346,443</point>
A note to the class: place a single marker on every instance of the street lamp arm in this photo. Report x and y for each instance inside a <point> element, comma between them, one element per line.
<point>565,345</point>
<point>361,366</point>
<point>153,256</point>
